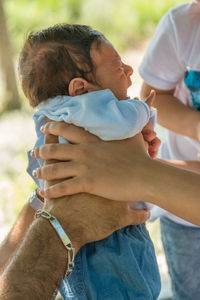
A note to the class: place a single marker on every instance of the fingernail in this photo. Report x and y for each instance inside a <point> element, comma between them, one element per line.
<point>34,173</point>
<point>42,128</point>
<point>32,153</point>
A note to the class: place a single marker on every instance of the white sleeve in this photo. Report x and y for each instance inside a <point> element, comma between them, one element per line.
<point>162,66</point>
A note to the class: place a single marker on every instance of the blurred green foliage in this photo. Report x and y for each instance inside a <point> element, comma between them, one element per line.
<point>125,23</point>
<point>17,137</point>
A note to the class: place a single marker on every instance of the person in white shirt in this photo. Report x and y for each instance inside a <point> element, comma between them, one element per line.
<point>172,67</point>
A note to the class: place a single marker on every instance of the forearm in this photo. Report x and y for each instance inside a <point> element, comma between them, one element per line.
<point>177,190</point>
<point>172,114</point>
<point>182,118</point>
<point>16,234</point>
<point>37,267</point>
<point>40,262</point>
<point>189,165</point>
<point>126,174</point>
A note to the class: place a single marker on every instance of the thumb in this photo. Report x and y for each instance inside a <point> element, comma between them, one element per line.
<point>150,99</point>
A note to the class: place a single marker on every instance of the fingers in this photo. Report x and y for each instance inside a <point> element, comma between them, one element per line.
<point>149,135</point>
<point>150,99</point>
<point>148,132</point>
<point>64,188</point>
<point>139,216</point>
<point>51,139</point>
<point>154,147</point>
<point>57,170</point>
<point>133,217</point>
<point>69,132</point>
<point>153,141</point>
<point>56,151</point>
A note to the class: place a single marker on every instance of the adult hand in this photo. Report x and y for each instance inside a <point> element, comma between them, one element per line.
<point>90,218</point>
<point>148,132</point>
<point>112,170</point>
<point>84,218</point>
<point>119,170</point>
<point>149,136</point>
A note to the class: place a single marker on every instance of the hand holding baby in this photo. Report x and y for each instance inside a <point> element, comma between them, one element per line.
<point>148,132</point>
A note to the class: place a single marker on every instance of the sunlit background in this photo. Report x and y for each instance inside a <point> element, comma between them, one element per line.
<point>128,24</point>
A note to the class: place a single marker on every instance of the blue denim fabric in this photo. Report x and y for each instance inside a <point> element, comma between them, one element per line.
<point>182,249</point>
<point>192,81</point>
<point>120,267</point>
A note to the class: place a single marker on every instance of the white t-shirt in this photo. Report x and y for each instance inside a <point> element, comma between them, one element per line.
<point>174,49</point>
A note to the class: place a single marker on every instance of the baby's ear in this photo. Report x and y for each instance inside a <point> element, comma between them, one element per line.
<point>77,86</point>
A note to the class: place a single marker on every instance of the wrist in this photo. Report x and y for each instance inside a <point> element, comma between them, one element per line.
<point>140,172</point>
<point>153,173</point>
<point>43,228</point>
<point>66,218</point>
<point>191,124</point>
<point>42,255</point>
<point>51,240</point>
<point>63,238</point>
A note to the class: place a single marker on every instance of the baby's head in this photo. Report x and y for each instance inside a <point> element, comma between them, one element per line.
<point>70,60</point>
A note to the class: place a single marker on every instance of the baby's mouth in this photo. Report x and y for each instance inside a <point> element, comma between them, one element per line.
<point>129,82</point>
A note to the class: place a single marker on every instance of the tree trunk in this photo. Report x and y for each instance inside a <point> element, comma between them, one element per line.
<point>10,93</point>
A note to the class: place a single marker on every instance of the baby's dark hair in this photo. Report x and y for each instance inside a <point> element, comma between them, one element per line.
<point>52,57</point>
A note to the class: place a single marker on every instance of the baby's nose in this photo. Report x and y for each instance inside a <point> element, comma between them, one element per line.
<point>128,70</point>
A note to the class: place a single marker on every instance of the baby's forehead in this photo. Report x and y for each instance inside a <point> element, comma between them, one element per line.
<point>104,53</point>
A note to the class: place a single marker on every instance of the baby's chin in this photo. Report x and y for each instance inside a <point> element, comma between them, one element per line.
<point>125,98</point>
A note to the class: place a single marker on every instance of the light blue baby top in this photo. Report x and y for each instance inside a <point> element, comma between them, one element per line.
<point>100,113</point>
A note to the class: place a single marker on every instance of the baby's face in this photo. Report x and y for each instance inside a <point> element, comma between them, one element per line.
<point>110,71</point>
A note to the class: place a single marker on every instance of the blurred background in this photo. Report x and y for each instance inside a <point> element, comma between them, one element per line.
<point>128,24</point>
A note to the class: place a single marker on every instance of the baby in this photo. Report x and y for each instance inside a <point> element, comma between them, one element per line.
<point>74,74</point>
